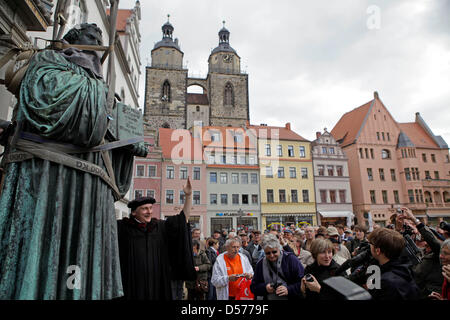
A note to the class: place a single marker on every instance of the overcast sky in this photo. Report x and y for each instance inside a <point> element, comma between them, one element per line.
<point>309,62</point>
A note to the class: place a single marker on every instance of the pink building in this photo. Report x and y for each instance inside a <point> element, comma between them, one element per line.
<point>147,176</point>
<point>394,164</point>
<point>182,157</point>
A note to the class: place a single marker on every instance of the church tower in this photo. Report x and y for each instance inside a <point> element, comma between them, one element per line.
<point>165,93</point>
<point>227,86</point>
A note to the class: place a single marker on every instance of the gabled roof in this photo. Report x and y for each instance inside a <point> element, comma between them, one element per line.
<point>280,133</point>
<point>418,135</point>
<point>197,98</point>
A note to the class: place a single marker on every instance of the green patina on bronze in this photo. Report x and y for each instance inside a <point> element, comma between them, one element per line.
<point>52,216</point>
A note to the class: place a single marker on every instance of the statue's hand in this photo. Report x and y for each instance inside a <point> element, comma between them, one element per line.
<point>139,149</point>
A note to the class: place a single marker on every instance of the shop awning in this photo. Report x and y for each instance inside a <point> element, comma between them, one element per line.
<point>288,214</point>
<point>336,214</point>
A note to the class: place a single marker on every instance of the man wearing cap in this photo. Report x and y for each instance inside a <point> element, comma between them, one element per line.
<point>341,251</point>
<point>153,252</point>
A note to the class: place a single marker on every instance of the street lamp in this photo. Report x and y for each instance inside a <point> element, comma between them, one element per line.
<point>240,214</point>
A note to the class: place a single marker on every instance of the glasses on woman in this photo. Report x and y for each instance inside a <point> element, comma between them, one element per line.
<point>268,253</point>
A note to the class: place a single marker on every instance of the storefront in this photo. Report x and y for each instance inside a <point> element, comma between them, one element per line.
<point>335,217</point>
<point>247,221</point>
<point>280,221</point>
<point>433,219</point>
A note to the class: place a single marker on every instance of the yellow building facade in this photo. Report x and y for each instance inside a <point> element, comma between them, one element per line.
<point>286,178</point>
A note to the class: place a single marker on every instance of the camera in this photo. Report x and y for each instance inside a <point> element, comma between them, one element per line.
<point>275,285</point>
<point>445,226</point>
<point>309,278</point>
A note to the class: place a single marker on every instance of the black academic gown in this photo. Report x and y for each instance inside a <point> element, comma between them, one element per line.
<point>153,254</point>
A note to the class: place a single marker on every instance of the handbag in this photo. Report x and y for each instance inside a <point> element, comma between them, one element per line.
<point>244,292</point>
<point>201,286</point>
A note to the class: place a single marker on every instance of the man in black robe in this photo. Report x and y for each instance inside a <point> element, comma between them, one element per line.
<point>153,252</point>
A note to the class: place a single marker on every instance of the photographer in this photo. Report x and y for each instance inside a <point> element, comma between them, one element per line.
<point>427,273</point>
<point>397,282</point>
<point>278,275</point>
<point>357,244</point>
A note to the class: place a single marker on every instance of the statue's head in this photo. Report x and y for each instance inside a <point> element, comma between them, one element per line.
<point>86,33</point>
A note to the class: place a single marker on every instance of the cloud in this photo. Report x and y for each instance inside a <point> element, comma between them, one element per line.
<point>312,61</point>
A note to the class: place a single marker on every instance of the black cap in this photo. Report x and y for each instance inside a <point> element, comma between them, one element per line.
<point>139,202</point>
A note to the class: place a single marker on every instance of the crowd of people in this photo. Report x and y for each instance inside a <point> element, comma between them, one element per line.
<point>295,262</point>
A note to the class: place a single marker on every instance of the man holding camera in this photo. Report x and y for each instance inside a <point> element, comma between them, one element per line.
<point>397,282</point>
<point>427,273</point>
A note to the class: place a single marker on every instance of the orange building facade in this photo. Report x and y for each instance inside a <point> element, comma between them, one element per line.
<point>394,164</point>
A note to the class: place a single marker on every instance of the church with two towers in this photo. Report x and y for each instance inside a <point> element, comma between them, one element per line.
<point>224,101</point>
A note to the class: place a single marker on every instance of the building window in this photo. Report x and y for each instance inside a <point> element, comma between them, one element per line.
<point>235,198</point>
<point>373,200</point>
<point>304,173</point>
<point>361,154</point>
<point>254,199</point>
<point>151,193</point>
<point>282,194</point>
<point>269,172</point>
<point>424,157</point>
<point>294,196</point>
<point>332,196</point>
<point>165,96</point>
<point>342,196</point>
<point>396,197</point>
<point>152,171</point>
<point>138,193</point>
<point>385,154</point>
<point>427,174</point>
<point>384,196</point>
<point>411,195</point>
<point>381,174</point>
<point>393,176</point>
<point>378,136</point>
<point>196,197</point>
<point>280,172</point>
<point>331,150</point>
<point>223,177</point>
<point>182,197</point>
<point>268,152</point>
<point>382,134</point>
<point>196,173</point>
<point>170,172</point>
<point>215,136</point>
<point>244,178</point>
<point>224,198</point>
<point>302,152</point>
<point>433,158</point>
<point>254,178</point>
<point>366,152</point>
<point>330,170</point>
<point>213,198</point>
<point>369,174</point>
<point>323,196</point>
<point>324,150</point>
<point>280,150</point>
<point>371,153</point>
<point>321,169</point>
<point>228,98</point>
<point>388,136</point>
<point>305,194</point>
<point>290,151</point>
<point>235,178</point>
<point>183,173</point>
<point>213,177</point>
<point>140,170</point>
<point>238,137</point>
<point>292,172</point>
<point>270,195</point>
<point>436,175</point>
<point>169,196</point>
<point>245,199</point>
<point>339,171</point>
<point>407,174</point>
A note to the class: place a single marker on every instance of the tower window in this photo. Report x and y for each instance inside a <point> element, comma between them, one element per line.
<point>228,95</point>
<point>166,91</point>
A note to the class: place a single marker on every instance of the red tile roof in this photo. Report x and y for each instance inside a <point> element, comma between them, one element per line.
<point>122,16</point>
<point>348,127</point>
<point>197,98</point>
<point>418,135</point>
<point>178,144</point>
<point>281,133</point>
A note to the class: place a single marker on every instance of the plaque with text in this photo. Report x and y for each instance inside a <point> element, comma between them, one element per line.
<point>127,122</point>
